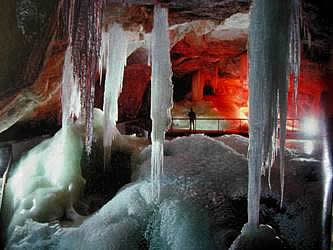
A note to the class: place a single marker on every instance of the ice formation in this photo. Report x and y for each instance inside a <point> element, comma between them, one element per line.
<point>113,54</point>
<point>196,209</point>
<point>161,92</point>
<point>268,82</point>
<point>82,21</point>
<point>148,46</point>
<point>295,44</point>
<point>70,92</point>
<point>47,181</point>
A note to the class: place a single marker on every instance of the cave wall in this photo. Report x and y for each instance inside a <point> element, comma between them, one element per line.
<point>136,81</point>
<point>24,24</point>
<point>229,83</point>
<point>12,46</point>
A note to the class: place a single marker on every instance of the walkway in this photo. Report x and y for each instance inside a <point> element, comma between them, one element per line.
<point>220,126</point>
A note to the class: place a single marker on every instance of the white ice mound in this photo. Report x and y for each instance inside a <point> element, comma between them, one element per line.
<point>198,162</point>
<point>46,181</point>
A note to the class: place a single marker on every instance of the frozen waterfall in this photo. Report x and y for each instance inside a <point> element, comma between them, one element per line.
<point>113,55</point>
<point>161,93</point>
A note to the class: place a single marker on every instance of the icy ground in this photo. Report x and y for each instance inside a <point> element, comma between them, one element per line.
<point>202,203</point>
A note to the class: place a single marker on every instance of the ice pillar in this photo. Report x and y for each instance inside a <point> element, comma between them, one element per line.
<point>161,93</point>
<point>268,83</point>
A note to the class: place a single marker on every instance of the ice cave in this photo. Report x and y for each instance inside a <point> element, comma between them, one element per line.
<point>174,125</point>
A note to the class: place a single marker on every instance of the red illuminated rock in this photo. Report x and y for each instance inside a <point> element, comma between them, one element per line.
<point>136,81</point>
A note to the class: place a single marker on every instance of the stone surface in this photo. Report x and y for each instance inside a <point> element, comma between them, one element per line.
<point>26,29</point>
<point>136,81</point>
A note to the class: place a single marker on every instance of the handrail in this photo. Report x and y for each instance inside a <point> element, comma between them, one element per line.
<point>210,118</point>
<point>223,118</point>
<point>218,119</point>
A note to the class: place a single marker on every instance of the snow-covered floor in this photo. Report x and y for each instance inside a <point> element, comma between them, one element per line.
<point>202,203</point>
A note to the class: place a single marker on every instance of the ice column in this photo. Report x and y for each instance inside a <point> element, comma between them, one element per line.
<point>161,93</point>
<point>70,91</point>
<point>268,82</point>
<point>114,54</point>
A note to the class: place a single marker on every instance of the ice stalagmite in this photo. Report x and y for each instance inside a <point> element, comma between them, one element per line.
<point>70,93</point>
<point>161,93</point>
<point>114,54</point>
<point>268,82</point>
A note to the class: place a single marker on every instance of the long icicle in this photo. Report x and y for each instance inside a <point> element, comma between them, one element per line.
<point>295,46</point>
<point>161,93</point>
<point>70,92</point>
<point>82,20</point>
<point>256,115</point>
<point>294,69</point>
<point>269,30</point>
<point>283,109</point>
<point>115,54</point>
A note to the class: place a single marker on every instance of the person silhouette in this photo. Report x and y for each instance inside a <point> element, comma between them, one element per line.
<point>192,117</point>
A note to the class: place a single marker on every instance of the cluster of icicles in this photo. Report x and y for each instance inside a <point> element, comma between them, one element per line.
<point>272,60</point>
<point>274,49</point>
<point>78,87</point>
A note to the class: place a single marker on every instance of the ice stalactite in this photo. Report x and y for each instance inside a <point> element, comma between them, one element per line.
<point>294,62</point>
<point>161,93</point>
<point>70,92</point>
<point>149,51</point>
<point>82,21</point>
<point>114,54</point>
<point>295,45</point>
<point>268,83</point>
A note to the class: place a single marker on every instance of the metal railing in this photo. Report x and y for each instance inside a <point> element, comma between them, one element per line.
<point>224,124</point>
